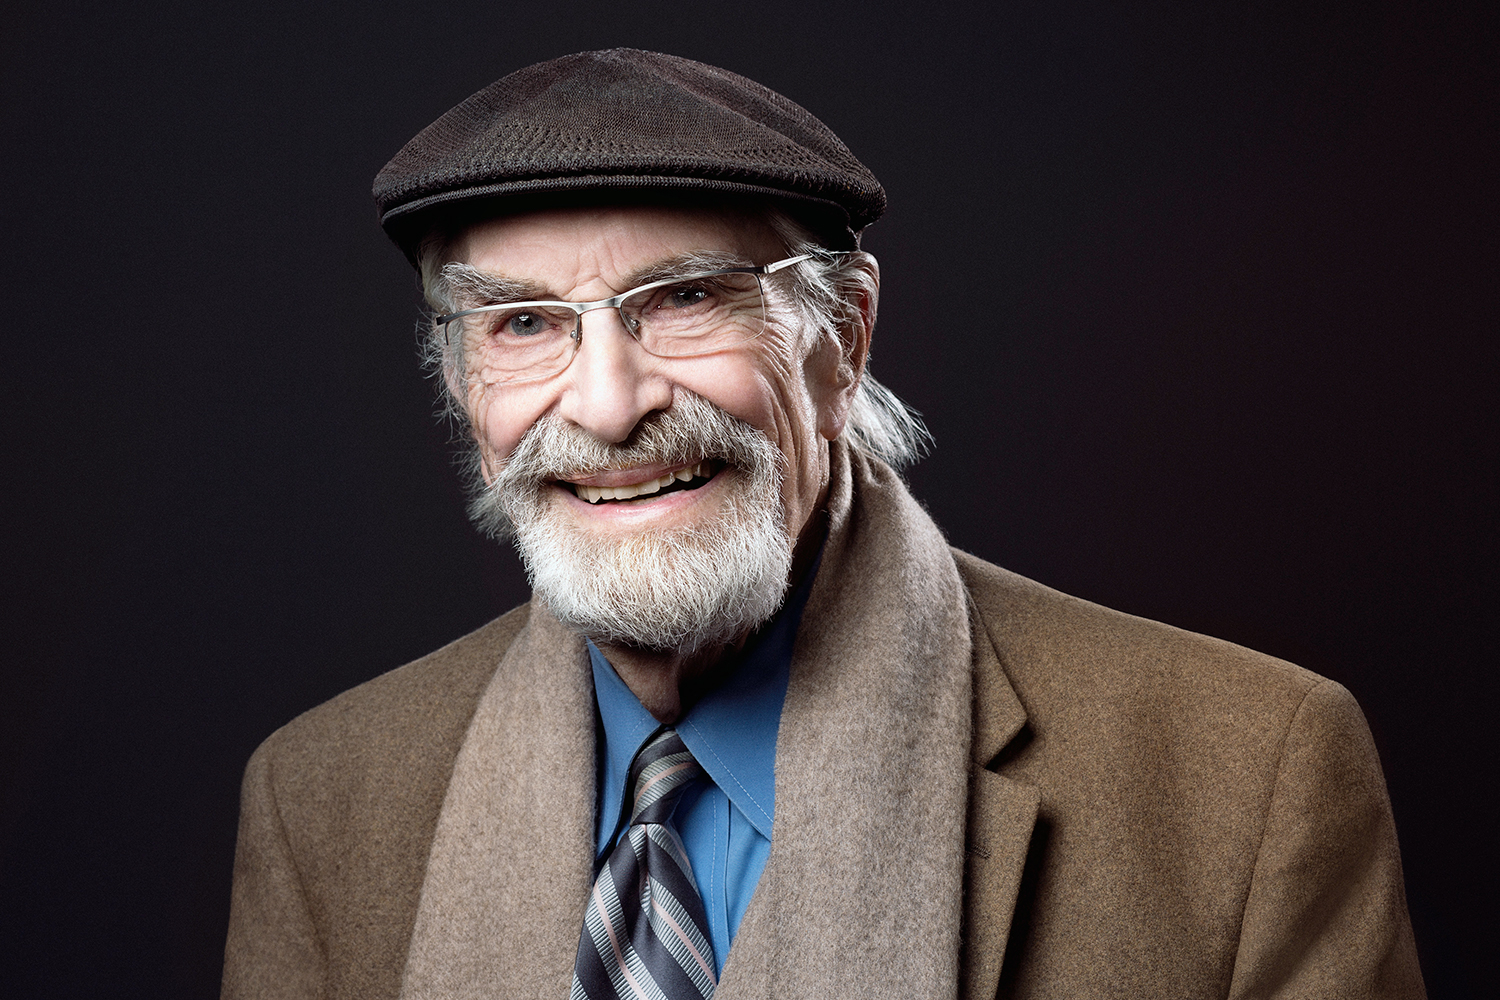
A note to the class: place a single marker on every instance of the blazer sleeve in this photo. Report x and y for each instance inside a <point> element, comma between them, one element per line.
<point>273,948</point>
<point>1326,912</point>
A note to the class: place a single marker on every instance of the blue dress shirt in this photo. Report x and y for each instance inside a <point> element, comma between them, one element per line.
<point>725,823</point>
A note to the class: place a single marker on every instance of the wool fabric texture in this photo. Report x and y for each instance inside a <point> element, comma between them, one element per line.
<point>620,121</point>
<point>1058,800</point>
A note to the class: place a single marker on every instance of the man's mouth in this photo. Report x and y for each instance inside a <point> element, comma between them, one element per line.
<point>688,477</point>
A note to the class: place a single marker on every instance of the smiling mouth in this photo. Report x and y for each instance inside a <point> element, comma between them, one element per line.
<point>688,477</point>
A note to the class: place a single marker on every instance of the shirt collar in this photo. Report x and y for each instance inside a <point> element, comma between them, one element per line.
<point>731,730</point>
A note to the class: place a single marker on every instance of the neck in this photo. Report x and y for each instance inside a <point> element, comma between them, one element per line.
<point>668,683</point>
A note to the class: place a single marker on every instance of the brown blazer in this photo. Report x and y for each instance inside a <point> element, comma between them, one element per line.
<point>1182,831</point>
<point>1150,813</point>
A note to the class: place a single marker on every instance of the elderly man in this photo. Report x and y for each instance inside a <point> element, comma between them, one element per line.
<point>761,732</point>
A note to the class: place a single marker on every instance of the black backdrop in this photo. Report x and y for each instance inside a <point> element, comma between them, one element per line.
<point>1196,302</point>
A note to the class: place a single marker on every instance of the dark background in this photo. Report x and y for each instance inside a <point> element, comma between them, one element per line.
<point>1196,299</point>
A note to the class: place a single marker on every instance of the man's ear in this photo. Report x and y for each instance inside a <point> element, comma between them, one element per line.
<point>840,380</point>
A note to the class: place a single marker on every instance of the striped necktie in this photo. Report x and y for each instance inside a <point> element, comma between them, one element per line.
<point>645,936</point>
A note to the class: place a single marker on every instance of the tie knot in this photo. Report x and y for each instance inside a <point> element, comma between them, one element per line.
<point>662,770</point>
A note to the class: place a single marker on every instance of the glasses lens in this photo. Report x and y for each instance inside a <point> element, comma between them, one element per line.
<point>516,343</point>
<point>697,315</point>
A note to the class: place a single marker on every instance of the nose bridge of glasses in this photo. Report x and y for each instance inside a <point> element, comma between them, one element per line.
<point>612,305</point>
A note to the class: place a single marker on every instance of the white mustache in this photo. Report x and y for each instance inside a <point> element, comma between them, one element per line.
<point>690,430</point>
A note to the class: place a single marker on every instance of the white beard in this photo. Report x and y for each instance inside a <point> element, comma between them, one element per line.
<point>681,589</point>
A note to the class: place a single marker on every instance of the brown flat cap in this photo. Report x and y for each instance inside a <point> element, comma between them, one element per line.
<point>622,124</point>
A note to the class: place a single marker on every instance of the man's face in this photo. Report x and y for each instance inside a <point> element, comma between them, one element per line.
<point>613,390</point>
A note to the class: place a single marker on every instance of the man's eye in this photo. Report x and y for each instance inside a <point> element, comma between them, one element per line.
<point>525,324</point>
<point>686,296</point>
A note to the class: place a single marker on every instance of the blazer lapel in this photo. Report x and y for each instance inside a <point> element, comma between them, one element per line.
<point>1002,815</point>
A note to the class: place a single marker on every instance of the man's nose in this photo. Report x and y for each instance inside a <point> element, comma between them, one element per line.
<point>612,383</point>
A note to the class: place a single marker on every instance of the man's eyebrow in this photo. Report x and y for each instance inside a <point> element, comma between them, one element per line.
<point>473,286</point>
<point>684,263</point>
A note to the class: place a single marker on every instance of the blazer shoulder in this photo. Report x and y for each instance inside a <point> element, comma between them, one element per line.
<point>1188,784</point>
<point>338,809</point>
<point>1047,640</point>
<point>422,706</point>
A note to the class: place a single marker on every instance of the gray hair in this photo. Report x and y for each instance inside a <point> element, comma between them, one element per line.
<point>827,289</point>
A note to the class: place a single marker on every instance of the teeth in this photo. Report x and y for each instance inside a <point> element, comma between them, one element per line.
<point>594,494</point>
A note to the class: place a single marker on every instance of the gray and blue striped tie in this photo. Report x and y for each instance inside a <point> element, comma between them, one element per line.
<point>645,936</point>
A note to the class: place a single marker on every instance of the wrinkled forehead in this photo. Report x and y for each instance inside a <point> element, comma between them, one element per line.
<point>612,245</point>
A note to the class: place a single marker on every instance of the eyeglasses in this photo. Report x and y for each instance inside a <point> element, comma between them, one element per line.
<point>682,317</point>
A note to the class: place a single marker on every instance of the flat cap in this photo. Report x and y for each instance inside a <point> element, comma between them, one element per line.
<point>623,123</point>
